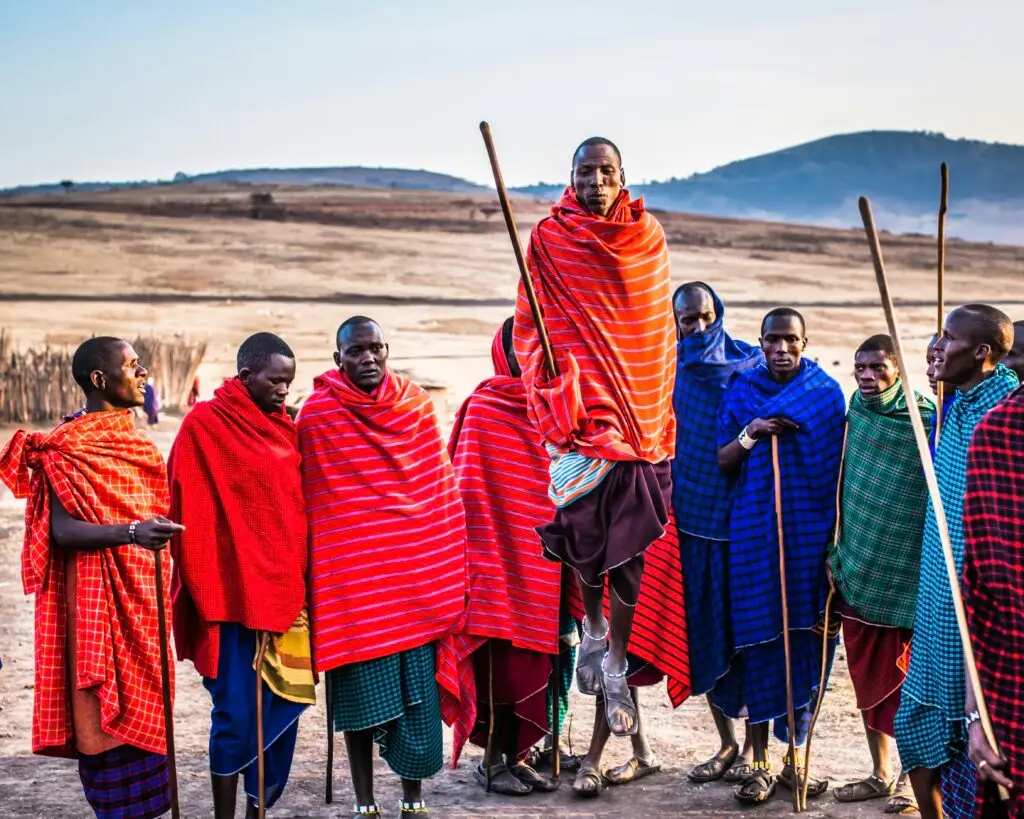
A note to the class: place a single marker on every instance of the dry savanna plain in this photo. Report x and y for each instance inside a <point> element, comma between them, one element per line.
<point>437,271</point>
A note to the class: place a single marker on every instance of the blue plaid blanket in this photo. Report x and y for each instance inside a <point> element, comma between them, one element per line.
<point>809,463</point>
<point>701,493</point>
<point>934,688</point>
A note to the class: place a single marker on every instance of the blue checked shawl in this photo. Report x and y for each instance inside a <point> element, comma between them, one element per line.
<point>701,492</point>
<point>809,460</point>
<point>936,674</point>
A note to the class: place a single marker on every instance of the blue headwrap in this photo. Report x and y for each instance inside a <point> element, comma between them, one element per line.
<point>701,493</point>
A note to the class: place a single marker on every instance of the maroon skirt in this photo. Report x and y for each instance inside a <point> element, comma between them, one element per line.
<point>607,531</point>
<point>518,679</point>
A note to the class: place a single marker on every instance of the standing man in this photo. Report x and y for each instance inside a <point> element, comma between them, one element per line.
<point>994,597</point>
<point>97,496</point>
<point>599,266</point>
<point>930,730</point>
<point>876,557</point>
<point>240,569</point>
<point>702,499</point>
<point>387,559</point>
<point>505,645</point>
<point>793,398</point>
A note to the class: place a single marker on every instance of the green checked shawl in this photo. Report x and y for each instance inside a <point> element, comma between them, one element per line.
<point>876,561</point>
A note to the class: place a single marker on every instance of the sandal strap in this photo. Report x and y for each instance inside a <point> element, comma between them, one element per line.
<point>366,810</point>
<point>413,807</point>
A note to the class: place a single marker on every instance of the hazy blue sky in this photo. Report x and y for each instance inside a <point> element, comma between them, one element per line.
<point>112,89</point>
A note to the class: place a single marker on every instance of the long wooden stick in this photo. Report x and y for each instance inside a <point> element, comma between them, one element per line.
<point>517,248</point>
<point>261,808</point>
<point>941,275</point>
<point>790,712</point>
<point>329,707</point>
<point>165,683</point>
<point>921,437</point>
<point>825,636</point>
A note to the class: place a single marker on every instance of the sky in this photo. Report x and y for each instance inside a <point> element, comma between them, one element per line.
<point>117,90</point>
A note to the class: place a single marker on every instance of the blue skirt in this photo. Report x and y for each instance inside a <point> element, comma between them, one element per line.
<point>706,585</point>
<point>233,728</point>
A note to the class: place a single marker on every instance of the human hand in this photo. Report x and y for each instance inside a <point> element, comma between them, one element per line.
<point>990,765</point>
<point>766,427</point>
<point>153,534</point>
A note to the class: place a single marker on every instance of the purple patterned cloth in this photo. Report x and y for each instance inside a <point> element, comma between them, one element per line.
<point>126,783</point>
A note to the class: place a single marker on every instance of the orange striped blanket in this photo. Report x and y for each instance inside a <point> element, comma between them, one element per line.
<point>387,528</point>
<point>603,288</point>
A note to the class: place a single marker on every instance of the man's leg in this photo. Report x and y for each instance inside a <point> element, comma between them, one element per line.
<point>714,768</point>
<point>225,791</point>
<point>760,785</point>
<point>595,636</point>
<point>927,785</point>
<point>359,745</point>
<point>412,792</point>
<point>588,779</point>
<point>878,744</point>
<point>643,762</point>
<point>622,713</point>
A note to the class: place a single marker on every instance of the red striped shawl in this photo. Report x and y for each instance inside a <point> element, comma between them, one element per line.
<point>603,287</point>
<point>502,472</point>
<point>387,528</point>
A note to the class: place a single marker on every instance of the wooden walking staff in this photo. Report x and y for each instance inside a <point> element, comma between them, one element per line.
<point>261,808</point>
<point>790,713</point>
<point>921,437</point>
<point>165,682</point>
<point>941,273</point>
<point>549,364</point>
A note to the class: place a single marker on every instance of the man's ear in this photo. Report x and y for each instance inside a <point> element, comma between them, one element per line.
<point>244,375</point>
<point>98,379</point>
<point>337,359</point>
<point>622,176</point>
<point>804,344</point>
<point>983,352</point>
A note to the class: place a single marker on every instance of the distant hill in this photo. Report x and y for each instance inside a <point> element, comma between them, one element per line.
<point>816,183</point>
<point>819,182</point>
<point>352,177</point>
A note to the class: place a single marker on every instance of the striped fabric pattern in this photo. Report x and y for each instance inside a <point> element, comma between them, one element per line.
<point>514,592</point>
<point>574,475</point>
<point>387,527</point>
<point>603,288</point>
<point>103,471</point>
<point>659,625</point>
<point>935,680</point>
<point>994,576</point>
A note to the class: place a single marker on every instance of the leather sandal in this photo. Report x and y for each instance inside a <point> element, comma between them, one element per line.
<point>758,787</point>
<point>711,770</point>
<point>616,699</point>
<point>636,768</point>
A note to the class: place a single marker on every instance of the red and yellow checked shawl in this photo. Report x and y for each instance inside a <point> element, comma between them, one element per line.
<point>514,592</point>
<point>103,471</point>
<point>994,576</point>
<point>603,287</point>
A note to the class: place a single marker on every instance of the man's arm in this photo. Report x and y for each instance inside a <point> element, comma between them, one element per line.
<point>79,536</point>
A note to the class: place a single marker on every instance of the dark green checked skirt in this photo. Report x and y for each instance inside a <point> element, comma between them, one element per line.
<point>397,696</point>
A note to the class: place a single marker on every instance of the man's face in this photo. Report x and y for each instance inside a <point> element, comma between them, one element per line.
<point>695,311</point>
<point>363,356</point>
<point>783,344</point>
<point>930,371</point>
<point>1015,360</point>
<point>597,178</point>
<point>958,358</point>
<point>875,372</point>
<point>122,382</point>
<point>269,385</point>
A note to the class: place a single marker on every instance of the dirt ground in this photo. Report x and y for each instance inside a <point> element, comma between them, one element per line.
<point>439,277</point>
